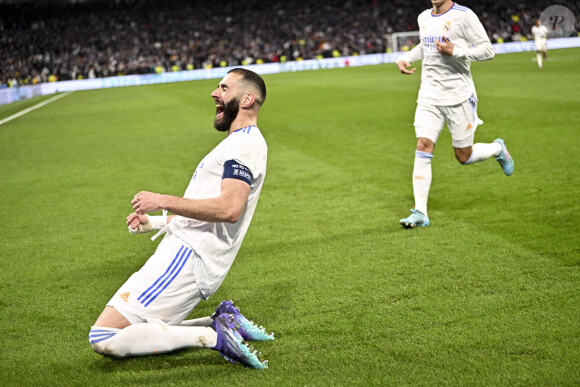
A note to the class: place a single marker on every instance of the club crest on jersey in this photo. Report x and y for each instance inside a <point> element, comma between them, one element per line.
<point>447,26</point>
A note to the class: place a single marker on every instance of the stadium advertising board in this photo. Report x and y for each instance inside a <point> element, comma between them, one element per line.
<point>19,93</point>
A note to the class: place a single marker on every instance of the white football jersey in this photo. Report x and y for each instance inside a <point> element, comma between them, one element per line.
<point>217,243</point>
<point>540,32</point>
<point>446,80</point>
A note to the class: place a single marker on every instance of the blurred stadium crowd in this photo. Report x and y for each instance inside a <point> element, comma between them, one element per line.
<point>52,41</point>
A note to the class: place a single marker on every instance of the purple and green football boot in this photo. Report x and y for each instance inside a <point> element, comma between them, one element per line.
<point>231,346</point>
<point>246,328</point>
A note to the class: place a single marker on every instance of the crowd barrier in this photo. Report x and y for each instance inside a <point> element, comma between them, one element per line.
<point>10,95</point>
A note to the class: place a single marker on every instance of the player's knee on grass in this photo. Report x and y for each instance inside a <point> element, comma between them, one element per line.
<point>109,349</point>
<point>103,342</point>
<point>103,348</point>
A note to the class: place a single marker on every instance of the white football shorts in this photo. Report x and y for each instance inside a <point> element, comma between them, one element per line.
<point>461,120</point>
<point>164,288</point>
<point>540,44</point>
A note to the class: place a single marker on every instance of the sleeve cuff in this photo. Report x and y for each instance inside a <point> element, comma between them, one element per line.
<point>458,52</point>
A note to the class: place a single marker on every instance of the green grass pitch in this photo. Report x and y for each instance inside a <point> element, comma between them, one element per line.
<point>488,295</point>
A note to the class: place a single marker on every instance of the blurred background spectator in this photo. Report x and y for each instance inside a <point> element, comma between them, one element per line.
<point>55,40</point>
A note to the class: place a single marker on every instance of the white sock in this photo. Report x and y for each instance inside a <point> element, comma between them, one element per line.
<point>422,180</point>
<point>481,151</point>
<point>149,339</point>
<point>539,56</point>
<point>198,322</point>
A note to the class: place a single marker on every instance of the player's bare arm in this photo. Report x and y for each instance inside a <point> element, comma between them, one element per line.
<point>228,207</point>
<point>445,46</point>
<point>404,67</point>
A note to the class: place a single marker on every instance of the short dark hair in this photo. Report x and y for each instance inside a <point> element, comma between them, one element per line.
<point>254,79</point>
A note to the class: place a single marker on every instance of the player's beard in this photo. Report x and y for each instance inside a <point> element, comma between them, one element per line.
<point>231,110</point>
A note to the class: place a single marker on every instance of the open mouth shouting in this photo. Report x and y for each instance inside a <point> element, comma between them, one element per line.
<point>226,113</point>
<point>219,110</point>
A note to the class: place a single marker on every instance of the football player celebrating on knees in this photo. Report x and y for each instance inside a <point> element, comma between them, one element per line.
<point>202,237</point>
<point>451,37</point>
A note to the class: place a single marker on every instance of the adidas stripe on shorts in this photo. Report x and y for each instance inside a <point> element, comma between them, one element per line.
<point>164,288</point>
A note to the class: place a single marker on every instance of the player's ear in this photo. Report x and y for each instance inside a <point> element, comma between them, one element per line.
<point>248,100</point>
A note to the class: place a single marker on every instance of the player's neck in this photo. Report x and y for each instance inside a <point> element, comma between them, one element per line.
<point>242,122</point>
<point>444,7</point>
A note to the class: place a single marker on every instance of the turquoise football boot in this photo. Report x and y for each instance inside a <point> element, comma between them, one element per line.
<point>248,329</point>
<point>417,218</point>
<point>504,159</point>
<point>231,346</point>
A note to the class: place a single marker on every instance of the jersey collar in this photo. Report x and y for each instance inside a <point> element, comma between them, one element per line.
<point>247,128</point>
